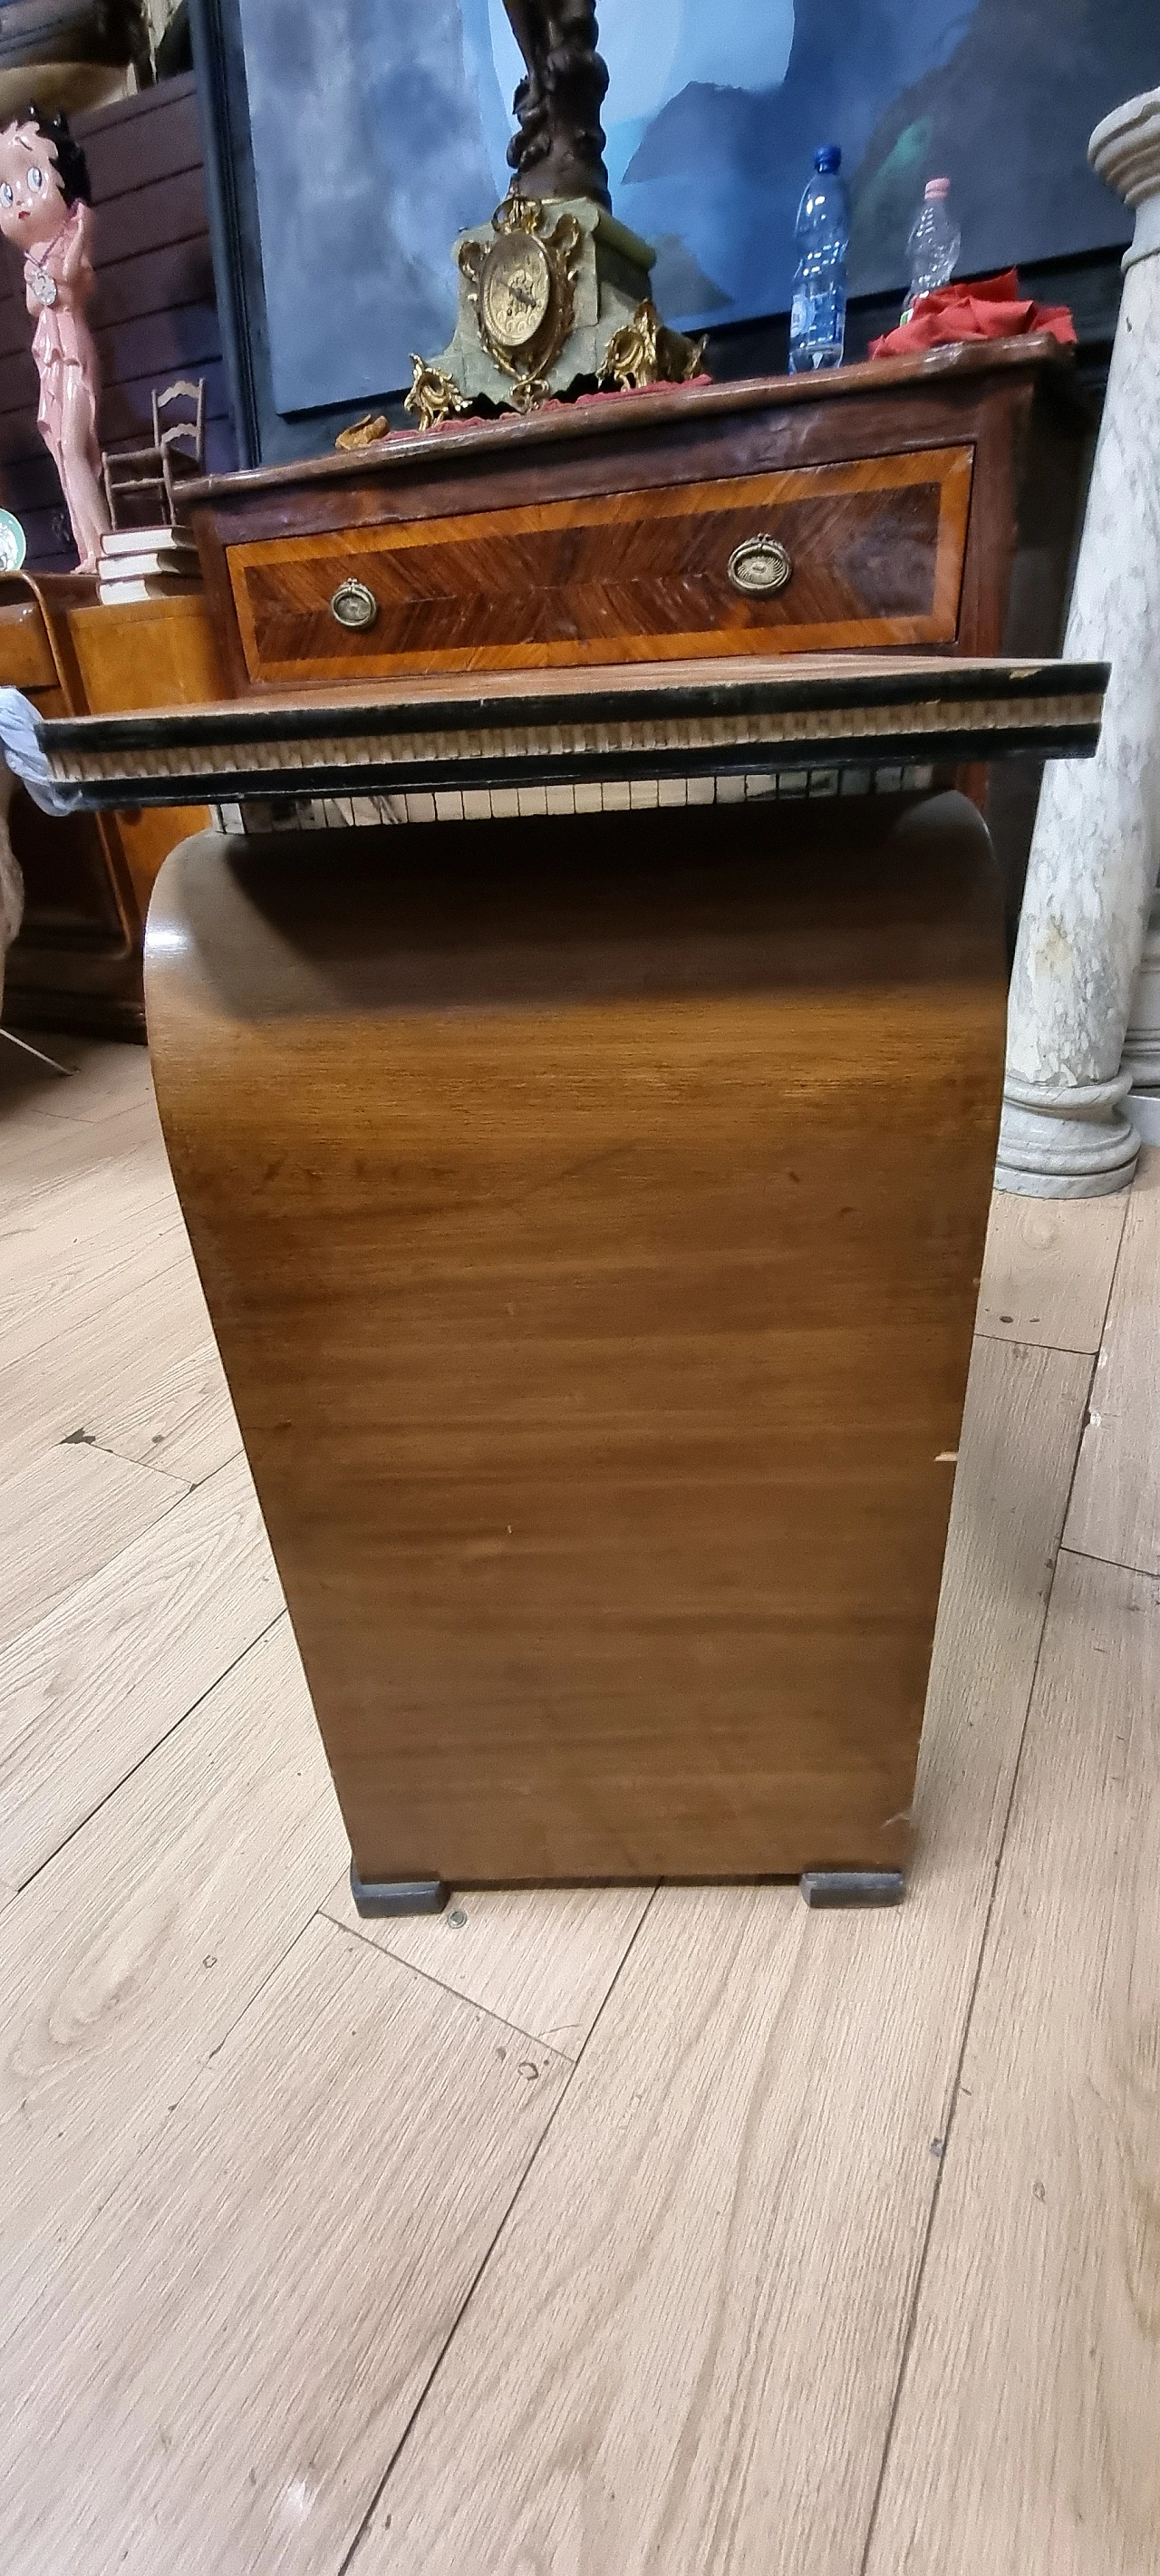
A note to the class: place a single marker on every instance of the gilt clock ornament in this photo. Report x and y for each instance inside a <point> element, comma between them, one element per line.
<point>554,292</point>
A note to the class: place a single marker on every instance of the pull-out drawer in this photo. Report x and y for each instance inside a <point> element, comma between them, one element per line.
<point>816,558</point>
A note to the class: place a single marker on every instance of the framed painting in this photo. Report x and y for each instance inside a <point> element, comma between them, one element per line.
<point>348,144</point>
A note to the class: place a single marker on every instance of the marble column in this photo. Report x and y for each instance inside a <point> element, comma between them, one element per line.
<point>1095,854</point>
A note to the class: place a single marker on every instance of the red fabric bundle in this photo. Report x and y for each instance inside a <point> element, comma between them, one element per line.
<point>985,308</point>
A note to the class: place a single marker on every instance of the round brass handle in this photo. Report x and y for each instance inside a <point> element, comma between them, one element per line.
<point>759,567</point>
<point>354,605</point>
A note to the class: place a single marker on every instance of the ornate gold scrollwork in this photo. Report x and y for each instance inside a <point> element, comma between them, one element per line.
<point>522,288</point>
<point>646,352</point>
<point>433,395</point>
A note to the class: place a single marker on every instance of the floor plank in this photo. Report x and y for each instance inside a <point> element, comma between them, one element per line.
<point>1115,1509</point>
<point>105,1365</point>
<point>56,1268</point>
<point>252,2319</point>
<point>684,2350</point>
<point>93,1687</point>
<point>1047,1270</point>
<point>128,1959</point>
<point>25,1082</point>
<point>109,1073</point>
<point>183,1422</point>
<point>34,1166</point>
<point>1026,2436</point>
<point>542,1958</point>
<point>62,1518</point>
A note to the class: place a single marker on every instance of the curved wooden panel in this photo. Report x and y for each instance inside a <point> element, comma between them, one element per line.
<point>590,1219</point>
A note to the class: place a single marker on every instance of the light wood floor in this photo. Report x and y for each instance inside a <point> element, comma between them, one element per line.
<point>570,2235</point>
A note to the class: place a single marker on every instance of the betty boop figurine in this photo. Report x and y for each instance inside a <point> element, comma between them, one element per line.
<point>44,209</point>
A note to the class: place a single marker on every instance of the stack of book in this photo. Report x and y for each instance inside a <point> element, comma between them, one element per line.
<point>146,563</point>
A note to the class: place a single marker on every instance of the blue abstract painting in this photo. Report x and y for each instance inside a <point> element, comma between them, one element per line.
<point>380,129</point>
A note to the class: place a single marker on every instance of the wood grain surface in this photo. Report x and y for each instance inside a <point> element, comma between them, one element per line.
<point>135,1950</point>
<point>1115,1506</point>
<point>101,1679</point>
<point>252,2320</point>
<point>876,550</point>
<point>541,1958</point>
<point>1047,1275</point>
<point>600,1219</point>
<point>62,1517</point>
<point>1010,409</point>
<point>1025,2437</point>
<point>123,1351</point>
<point>88,879</point>
<point>257,2311</point>
<point>685,2350</point>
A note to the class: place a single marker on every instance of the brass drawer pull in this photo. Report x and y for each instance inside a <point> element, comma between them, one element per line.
<point>759,567</point>
<point>354,605</point>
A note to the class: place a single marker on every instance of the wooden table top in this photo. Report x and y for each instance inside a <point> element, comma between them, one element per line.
<point>554,727</point>
<point>656,406</point>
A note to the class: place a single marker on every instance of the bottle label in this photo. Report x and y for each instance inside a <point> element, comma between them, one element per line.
<point>799,320</point>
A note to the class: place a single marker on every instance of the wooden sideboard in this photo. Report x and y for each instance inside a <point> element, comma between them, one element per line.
<point>590,1202</point>
<point>923,503</point>
<point>88,878</point>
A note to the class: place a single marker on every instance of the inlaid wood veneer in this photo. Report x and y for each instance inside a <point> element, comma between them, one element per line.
<point>875,551</point>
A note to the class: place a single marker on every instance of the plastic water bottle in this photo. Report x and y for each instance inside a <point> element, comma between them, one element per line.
<point>817,324</point>
<point>934,244</point>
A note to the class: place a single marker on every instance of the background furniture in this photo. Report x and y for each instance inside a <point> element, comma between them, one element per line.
<point>590,1213</point>
<point>87,878</point>
<point>923,502</point>
<point>153,310</point>
<point>176,454</point>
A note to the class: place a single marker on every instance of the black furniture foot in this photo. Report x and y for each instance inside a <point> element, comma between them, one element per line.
<point>852,1886</point>
<point>398,1895</point>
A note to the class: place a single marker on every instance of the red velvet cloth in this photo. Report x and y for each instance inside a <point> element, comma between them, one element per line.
<point>984,308</point>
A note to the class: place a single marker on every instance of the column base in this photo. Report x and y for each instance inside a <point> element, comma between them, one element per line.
<point>1146,1115</point>
<point>1066,1140</point>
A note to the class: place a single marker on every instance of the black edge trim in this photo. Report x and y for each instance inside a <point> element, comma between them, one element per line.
<point>250,722</point>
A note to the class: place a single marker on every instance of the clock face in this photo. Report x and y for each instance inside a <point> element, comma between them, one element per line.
<point>515,290</point>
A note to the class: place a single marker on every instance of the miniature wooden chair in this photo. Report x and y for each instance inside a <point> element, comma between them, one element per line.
<point>176,451</point>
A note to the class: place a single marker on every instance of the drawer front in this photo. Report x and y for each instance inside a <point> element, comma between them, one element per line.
<point>874,552</point>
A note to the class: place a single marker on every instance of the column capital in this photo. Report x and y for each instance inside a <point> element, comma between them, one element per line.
<point>1125,151</point>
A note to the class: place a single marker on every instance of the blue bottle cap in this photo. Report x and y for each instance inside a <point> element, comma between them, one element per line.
<point>828,156</point>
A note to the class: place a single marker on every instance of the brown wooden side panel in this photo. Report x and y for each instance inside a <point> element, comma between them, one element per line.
<point>149,653</point>
<point>88,879</point>
<point>876,549</point>
<point>591,1223</point>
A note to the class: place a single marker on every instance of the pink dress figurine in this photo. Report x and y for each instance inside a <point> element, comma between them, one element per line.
<point>44,209</point>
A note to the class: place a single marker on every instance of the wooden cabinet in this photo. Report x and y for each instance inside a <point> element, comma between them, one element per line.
<point>918,503</point>
<point>590,1208</point>
<point>88,878</point>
